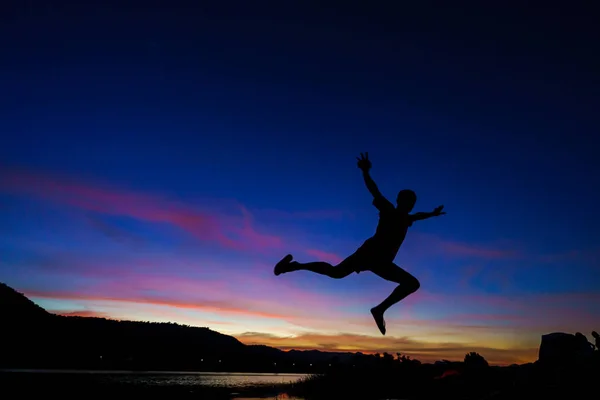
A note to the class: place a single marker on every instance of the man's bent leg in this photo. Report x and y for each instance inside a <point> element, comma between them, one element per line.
<point>408,284</point>
<point>342,270</point>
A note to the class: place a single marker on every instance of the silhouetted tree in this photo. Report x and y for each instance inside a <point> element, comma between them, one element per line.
<point>475,360</point>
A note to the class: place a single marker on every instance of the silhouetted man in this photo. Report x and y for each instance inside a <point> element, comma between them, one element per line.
<point>378,252</point>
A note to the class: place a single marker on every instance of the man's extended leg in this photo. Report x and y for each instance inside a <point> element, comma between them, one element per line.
<point>342,270</point>
<point>407,284</point>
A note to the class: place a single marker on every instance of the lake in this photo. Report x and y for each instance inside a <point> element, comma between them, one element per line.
<point>238,385</point>
<point>175,378</point>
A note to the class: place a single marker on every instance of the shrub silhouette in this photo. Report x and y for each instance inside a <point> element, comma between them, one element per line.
<point>475,360</point>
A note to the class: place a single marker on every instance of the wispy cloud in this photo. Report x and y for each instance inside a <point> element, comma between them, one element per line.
<point>230,231</point>
<point>468,250</point>
<point>214,306</point>
<point>464,250</point>
<point>432,244</point>
<point>146,281</point>
<point>324,256</point>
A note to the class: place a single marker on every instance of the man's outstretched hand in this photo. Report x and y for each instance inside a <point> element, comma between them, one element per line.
<point>363,162</point>
<point>438,211</point>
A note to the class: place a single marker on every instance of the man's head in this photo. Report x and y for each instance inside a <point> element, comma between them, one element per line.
<point>406,200</point>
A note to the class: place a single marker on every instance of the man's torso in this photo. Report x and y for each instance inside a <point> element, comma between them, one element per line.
<point>390,233</point>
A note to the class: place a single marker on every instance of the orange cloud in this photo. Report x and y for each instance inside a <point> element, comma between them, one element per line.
<point>423,351</point>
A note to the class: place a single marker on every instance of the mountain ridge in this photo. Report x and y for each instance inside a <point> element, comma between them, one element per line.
<point>41,339</point>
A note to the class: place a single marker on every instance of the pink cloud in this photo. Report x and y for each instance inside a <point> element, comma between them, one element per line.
<point>505,252</point>
<point>230,231</point>
<point>295,311</point>
<point>144,281</point>
<point>151,300</point>
<point>461,249</point>
<point>166,274</point>
<point>320,255</point>
<point>464,249</point>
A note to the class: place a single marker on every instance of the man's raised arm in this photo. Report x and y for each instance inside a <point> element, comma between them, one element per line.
<point>365,165</point>
<point>371,184</point>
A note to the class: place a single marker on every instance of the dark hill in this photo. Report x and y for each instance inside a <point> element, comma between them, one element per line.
<point>35,338</point>
<point>16,308</point>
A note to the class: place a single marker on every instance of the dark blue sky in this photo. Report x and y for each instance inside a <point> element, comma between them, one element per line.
<point>491,112</point>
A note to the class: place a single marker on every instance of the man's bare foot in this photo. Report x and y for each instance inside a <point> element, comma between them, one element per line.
<point>378,316</point>
<point>282,266</point>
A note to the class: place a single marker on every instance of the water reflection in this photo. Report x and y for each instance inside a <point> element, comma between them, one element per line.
<point>176,378</point>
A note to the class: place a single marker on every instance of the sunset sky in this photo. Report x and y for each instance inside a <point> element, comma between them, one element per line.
<point>156,163</point>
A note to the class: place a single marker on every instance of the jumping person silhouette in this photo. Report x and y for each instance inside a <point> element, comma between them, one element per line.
<point>377,253</point>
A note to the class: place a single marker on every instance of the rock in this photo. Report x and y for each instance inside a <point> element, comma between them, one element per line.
<point>558,348</point>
